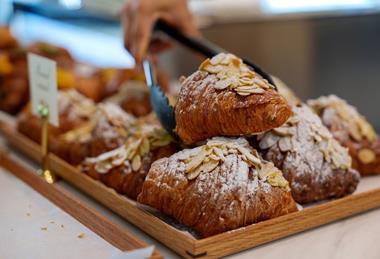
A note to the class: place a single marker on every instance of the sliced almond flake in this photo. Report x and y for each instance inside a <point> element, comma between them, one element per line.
<point>236,62</point>
<point>144,147</point>
<point>233,73</point>
<point>161,143</point>
<point>102,167</point>
<point>366,156</point>
<point>108,155</point>
<point>136,163</point>
<point>195,161</point>
<point>277,179</point>
<point>216,60</point>
<point>206,168</point>
<point>250,157</point>
<point>268,140</point>
<point>293,120</point>
<point>243,93</point>
<point>221,76</point>
<point>245,88</point>
<point>219,153</point>
<point>245,81</point>
<point>214,157</point>
<point>248,74</point>
<point>318,138</point>
<point>285,144</point>
<point>204,64</point>
<point>213,69</point>
<point>228,59</point>
<point>192,175</point>
<point>127,166</point>
<point>282,131</point>
<point>252,90</point>
<point>120,157</point>
<point>355,133</point>
<point>222,84</point>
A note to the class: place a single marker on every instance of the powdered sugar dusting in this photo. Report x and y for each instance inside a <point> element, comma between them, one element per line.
<point>310,156</point>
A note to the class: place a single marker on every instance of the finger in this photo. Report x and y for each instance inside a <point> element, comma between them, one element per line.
<point>186,21</point>
<point>127,22</point>
<point>141,36</point>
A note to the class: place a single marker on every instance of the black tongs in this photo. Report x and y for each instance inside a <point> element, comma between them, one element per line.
<point>160,103</point>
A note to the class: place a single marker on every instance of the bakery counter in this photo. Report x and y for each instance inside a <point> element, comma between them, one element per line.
<point>47,231</point>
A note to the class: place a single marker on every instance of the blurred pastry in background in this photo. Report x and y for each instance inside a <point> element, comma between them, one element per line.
<point>14,90</point>
<point>7,40</point>
<point>132,93</point>
<point>225,98</point>
<point>74,110</point>
<point>58,54</point>
<point>91,81</point>
<point>352,130</point>
<point>220,186</point>
<point>315,164</point>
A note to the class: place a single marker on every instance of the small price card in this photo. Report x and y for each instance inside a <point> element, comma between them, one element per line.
<point>43,86</point>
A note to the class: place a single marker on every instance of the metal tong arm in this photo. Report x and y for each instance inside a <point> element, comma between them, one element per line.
<point>204,46</point>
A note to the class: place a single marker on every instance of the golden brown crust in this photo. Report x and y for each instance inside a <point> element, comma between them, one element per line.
<point>203,111</point>
<point>315,165</point>
<point>352,131</point>
<point>228,197</point>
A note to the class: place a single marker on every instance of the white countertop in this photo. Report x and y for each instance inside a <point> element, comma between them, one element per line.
<point>24,215</point>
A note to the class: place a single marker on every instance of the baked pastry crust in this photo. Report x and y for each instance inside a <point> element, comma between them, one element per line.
<point>352,130</point>
<point>315,164</point>
<point>124,169</point>
<point>214,196</point>
<point>227,100</point>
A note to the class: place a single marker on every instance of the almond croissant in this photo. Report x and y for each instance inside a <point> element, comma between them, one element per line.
<point>315,164</point>
<point>225,98</point>
<point>217,187</point>
<point>352,130</point>
<point>124,169</point>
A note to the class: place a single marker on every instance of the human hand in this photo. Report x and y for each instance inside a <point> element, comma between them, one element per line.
<point>139,16</point>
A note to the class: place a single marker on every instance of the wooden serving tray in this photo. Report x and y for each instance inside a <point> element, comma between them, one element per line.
<point>182,242</point>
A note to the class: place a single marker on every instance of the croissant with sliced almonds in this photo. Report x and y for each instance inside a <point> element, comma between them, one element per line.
<point>352,130</point>
<point>220,186</point>
<point>107,129</point>
<point>315,164</point>
<point>226,98</point>
<point>124,169</point>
